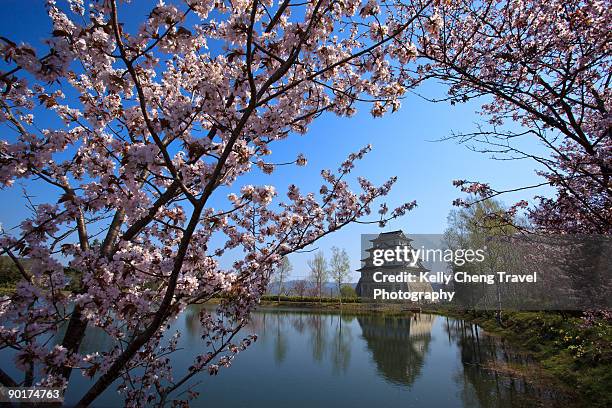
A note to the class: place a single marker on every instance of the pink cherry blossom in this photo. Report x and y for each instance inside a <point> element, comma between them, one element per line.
<point>163,123</point>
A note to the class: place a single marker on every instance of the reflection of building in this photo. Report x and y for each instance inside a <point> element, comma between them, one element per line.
<point>398,345</point>
<point>390,240</point>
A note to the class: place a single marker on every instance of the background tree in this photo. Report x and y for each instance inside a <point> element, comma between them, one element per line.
<point>544,67</point>
<point>339,267</point>
<point>9,273</point>
<point>281,274</point>
<point>139,131</point>
<point>348,291</point>
<point>480,227</point>
<point>300,287</point>
<point>318,272</point>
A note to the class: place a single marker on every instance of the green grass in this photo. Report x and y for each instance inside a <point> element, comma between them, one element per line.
<point>352,305</point>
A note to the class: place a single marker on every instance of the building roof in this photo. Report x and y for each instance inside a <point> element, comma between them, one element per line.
<point>382,238</point>
<point>387,235</point>
<point>419,267</point>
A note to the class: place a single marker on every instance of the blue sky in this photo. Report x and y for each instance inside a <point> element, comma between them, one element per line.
<point>404,146</point>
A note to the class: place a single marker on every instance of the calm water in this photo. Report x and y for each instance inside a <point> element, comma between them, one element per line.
<point>312,359</point>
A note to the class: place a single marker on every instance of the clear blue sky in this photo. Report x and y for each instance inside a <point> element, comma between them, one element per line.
<point>404,145</point>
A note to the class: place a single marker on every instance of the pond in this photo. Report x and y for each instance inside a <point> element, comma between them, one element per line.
<point>304,359</point>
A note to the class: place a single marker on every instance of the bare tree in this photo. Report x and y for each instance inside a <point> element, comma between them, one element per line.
<point>318,272</point>
<point>300,287</point>
<point>339,268</point>
<point>280,275</point>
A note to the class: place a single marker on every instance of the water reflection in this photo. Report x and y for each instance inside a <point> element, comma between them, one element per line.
<point>471,368</point>
<point>398,345</point>
<point>491,374</point>
<point>341,354</point>
<point>281,343</point>
<point>329,336</point>
<point>316,359</point>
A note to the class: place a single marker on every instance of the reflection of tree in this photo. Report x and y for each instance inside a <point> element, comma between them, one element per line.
<point>347,318</point>
<point>280,341</point>
<point>298,323</point>
<point>95,340</point>
<point>398,345</point>
<point>317,335</point>
<point>482,386</point>
<point>327,333</point>
<point>258,324</point>
<point>341,349</point>
<point>192,321</point>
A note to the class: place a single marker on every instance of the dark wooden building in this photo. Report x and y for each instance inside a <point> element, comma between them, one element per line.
<point>389,240</point>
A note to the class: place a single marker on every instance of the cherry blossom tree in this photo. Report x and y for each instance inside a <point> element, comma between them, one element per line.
<point>546,67</point>
<point>139,129</point>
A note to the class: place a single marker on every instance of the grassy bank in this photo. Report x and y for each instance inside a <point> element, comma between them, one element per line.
<point>309,299</point>
<point>349,308</point>
<point>352,305</point>
<point>579,356</point>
